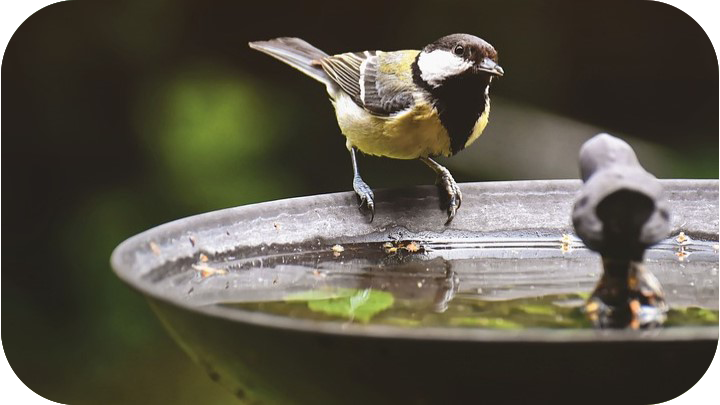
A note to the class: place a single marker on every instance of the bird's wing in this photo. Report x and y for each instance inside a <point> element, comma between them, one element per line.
<point>379,82</point>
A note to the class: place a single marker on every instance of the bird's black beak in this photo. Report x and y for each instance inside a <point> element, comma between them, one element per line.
<point>488,65</point>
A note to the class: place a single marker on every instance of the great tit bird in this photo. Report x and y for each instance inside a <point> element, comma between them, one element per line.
<point>405,104</point>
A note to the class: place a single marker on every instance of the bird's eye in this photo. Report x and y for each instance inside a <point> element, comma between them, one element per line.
<point>459,50</point>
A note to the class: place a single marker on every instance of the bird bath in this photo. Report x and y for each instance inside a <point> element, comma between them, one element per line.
<point>304,301</point>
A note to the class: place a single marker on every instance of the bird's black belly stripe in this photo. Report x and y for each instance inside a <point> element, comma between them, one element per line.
<point>460,101</point>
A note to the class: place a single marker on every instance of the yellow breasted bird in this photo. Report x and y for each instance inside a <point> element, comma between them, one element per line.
<point>403,104</point>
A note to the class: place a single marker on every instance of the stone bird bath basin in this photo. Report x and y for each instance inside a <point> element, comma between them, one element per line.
<point>377,308</point>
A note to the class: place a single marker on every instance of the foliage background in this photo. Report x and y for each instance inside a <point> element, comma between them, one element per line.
<point>122,115</point>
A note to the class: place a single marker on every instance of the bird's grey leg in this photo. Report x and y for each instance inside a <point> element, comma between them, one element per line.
<point>361,188</point>
<point>446,181</point>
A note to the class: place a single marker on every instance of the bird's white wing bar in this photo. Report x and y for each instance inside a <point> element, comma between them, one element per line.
<point>345,70</point>
<point>358,76</point>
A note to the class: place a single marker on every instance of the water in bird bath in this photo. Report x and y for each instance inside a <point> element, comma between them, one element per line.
<point>486,282</point>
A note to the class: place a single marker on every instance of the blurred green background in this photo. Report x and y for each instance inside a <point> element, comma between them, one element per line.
<point>122,115</point>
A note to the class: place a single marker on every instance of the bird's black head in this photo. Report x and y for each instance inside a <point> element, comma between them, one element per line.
<point>456,71</point>
<point>454,55</point>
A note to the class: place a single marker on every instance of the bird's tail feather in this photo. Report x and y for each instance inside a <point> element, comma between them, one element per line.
<point>296,53</point>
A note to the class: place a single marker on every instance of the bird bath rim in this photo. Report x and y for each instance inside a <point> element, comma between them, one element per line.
<point>524,207</point>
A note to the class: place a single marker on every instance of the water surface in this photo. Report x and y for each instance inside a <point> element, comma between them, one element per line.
<point>493,283</point>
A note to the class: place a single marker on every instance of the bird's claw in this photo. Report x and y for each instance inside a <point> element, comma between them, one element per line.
<point>366,196</point>
<point>453,193</point>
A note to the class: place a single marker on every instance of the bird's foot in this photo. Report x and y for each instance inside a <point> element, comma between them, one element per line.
<point>452,193</point>
<point>365,195</point>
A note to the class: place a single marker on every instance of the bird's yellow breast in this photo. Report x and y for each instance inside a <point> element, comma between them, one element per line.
<point>409,134</point>
<point>480,124</point>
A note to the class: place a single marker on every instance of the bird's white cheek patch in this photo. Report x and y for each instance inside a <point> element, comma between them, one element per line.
<point>438,65</point>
